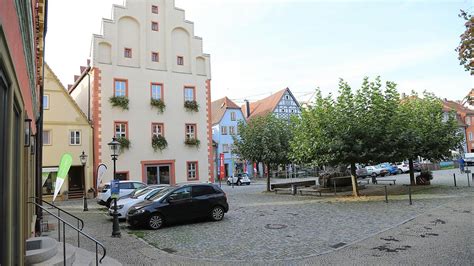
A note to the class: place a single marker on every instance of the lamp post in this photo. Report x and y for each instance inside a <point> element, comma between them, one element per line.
<point>83,158</point>
<point>115,149</point>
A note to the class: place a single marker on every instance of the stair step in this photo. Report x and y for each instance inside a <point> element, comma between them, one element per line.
<point>87,258</point>
<point>58,259</point>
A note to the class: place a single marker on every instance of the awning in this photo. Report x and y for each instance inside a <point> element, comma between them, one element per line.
<point>50,169</point>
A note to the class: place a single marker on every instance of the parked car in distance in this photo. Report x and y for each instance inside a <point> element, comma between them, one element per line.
<point>179,203</point>
<point>361,172</point>
<point>126,187</point>
<point>469,158</point>
<point>239,179</point>
<point>403,168</point>
<point>376,171</point>
<point>391,168</point>
<point>137,196</point>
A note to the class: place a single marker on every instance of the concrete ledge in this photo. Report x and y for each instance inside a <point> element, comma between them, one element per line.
<point>40,249</point>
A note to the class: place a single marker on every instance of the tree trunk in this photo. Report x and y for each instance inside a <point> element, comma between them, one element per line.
<point>268,175</point>
<point>412,172</point>
<point>355,188</point>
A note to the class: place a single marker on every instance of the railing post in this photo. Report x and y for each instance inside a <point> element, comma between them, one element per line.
<point>96,254</point>
<point>454,176</point>
<point>59,226</point>
<point>386,195</point>
<point>78,241</point>
<point>64,243</point>
<point>409,194</point>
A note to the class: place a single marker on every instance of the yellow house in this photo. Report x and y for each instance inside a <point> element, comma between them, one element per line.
<point>66,129</point>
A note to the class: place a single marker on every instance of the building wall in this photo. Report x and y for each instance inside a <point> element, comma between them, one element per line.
<point>287,107</point>
<point>226,139</point>
<point>63,116</point>
<point>131,28</point>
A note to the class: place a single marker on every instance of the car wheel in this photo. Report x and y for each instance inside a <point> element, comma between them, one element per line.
<point>155,222</point>
<point>400,171</point>
<point>248,183</point>
<point>228,183</point>
<point>217,213</point>
<point>239,183</point>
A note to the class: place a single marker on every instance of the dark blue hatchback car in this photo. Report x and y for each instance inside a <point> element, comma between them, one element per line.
<point>178,204</point>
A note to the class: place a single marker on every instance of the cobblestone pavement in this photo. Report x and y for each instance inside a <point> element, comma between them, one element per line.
<point>262,227</point>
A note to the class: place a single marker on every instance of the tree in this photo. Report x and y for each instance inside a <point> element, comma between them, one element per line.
<point>264,139</point>
<point>354,128</point>
<point>427,131</point>
<point>466,44</point>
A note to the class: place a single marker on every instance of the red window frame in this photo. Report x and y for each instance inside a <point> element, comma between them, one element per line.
<point>127,174</point>
<point>155,26</point>
<point>155,57</point>
<point>127,52</point>
<point>127,136</point>
<point>196,170</point>
<point>162,90</point>
<point>194,92</point>
<point>126,86</point>
<point>186,130</point>
<point>160,125</point>
<point>180,60</point>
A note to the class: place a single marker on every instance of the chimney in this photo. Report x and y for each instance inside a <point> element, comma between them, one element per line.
<point>247,109</point>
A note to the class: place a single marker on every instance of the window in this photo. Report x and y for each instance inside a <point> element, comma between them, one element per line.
<point>127,52</point>
<point>157,129</point>
<point>154,9</point>
<point>287,97</point>
<point>189,94</point>
<point>120,87</point>
<point>182,193</point>
<point>138,185</point>
<point>45,102</point>
<point>225,148</point>
<point>232,130</point>
<point>224,130</point>
<point>46,137</point>
<point>157,91</point>
<point>180,61</point>
<point>468,120</point>
<point>121,129</point>
<point>155,57</point>
<point>190,131</point>
<point>192,170</point>
<point>74,137</point>
<point>232,116</point>
<point>154,26</point>
<point>470,136</point>
<point>50,183</point>
<point>202,191</point>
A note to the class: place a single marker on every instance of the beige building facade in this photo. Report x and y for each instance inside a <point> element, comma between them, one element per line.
<point>147,53</point>
<point>66,129</point>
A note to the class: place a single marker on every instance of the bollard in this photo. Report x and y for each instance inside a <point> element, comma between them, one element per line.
<point>84,202</point>
<point>334,182</point>
<point>454,176</point>
<point>386,195</point>
<point>469,182</point>
<point>409,195</point>
<point>293,190</point>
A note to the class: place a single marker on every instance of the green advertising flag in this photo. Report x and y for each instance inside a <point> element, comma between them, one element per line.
<point>64,165</point>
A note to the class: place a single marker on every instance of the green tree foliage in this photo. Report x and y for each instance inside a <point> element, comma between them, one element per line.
<point>466,44</point>
<point>264,139</point>
<point>354,128</point>
<point>427,131</point>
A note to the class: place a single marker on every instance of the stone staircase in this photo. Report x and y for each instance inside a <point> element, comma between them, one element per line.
<point>43,251</point>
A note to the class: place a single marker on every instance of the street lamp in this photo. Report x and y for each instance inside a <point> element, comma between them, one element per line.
<point>115,150</point>
<point>83,158</point>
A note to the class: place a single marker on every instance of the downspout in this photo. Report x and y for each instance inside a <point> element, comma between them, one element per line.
<point>39,134</point>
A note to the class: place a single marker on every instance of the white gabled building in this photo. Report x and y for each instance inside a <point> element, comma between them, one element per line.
<point>148,51</point>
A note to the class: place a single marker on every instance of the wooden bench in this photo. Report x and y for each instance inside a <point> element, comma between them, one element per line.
<point>386,180</point>
<point>307,183</point>
<point>309,191</point>
<point>282,189</point>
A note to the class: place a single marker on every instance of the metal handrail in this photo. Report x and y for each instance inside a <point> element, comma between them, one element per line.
<point>79,231</point>
<point>79,220</point>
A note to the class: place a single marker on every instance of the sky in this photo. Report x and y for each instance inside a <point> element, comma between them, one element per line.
<point>258,47</point>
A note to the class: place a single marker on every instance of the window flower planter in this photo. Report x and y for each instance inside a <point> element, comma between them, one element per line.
<point>191,106</point>
<point>119,101</point>
<point>124,143</point>
<point>158,104</point>
<point>192,142</point>
<point>159,143</point>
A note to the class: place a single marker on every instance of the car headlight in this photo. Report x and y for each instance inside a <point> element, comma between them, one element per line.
<point>140,211</point>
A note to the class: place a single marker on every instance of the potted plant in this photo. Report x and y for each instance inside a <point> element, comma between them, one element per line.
<point>124,143</point>
<point>158,143</point>
<point>158,104</point>
<point>192,142</point>
<point>191,106</point>
<point>119,101</point>
<point>424,178</point>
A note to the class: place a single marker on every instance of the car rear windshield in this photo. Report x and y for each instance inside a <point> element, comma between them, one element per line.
<point>160,194</point>
<point>138,192</point>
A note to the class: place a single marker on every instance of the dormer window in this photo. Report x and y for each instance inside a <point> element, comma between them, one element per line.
<point>154,9</point>
<point>127,52</point>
